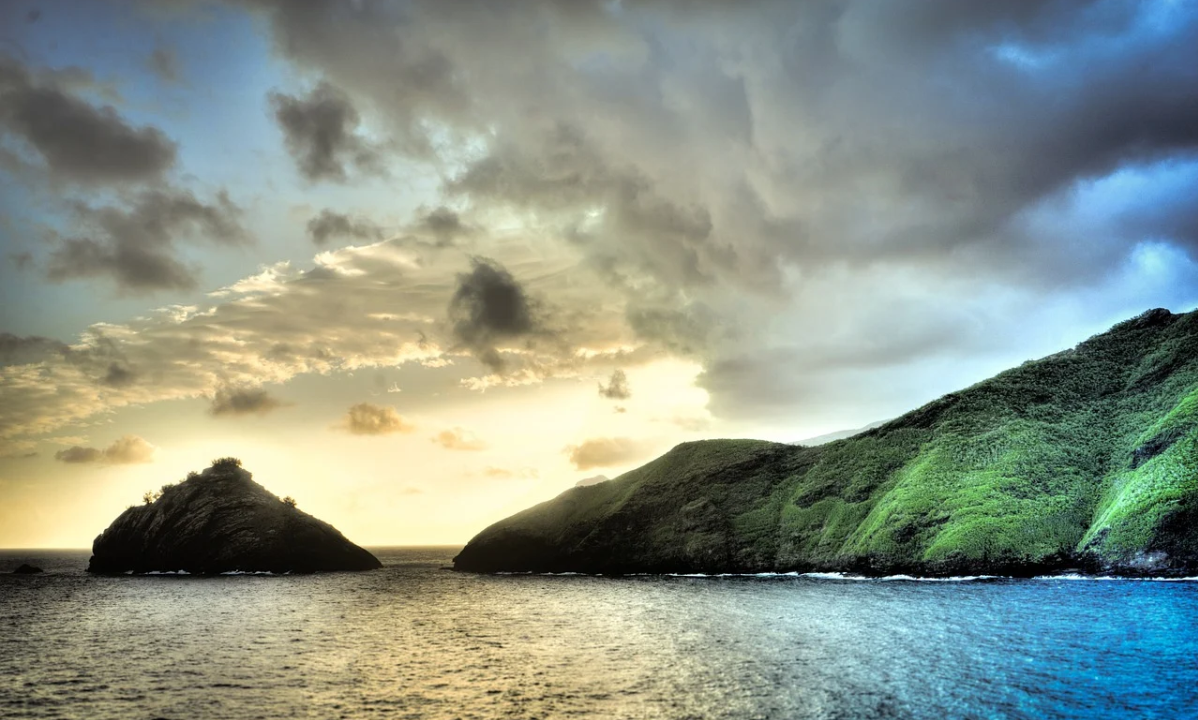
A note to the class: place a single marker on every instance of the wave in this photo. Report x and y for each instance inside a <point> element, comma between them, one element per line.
<point>830,576</point>
<point>843,576</point>
<point>903,578</point>
<point>542,574</point>
<point>228,572</point>
<point>1078,576</point>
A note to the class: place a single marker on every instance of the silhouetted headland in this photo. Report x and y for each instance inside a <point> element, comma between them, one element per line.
<point>220,521</point>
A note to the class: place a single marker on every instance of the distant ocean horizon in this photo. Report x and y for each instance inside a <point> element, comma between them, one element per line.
<point>414,640</point>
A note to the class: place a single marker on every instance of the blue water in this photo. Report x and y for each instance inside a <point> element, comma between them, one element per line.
<point>415,641</point>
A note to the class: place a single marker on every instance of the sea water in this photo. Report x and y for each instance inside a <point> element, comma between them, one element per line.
<point>414,640</point>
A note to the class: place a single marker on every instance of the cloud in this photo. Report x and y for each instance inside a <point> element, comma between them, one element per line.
<point>617,387</point>
<point>165,64</point>
<point>119,375</point>
<point>459,439</point>
<point>79,455</point>
<point>788,195</point>
<point>329,224</point>
<point>445,226</point>
<point>17,350</point>
<point>368,419</point>
<point>606,452</point>
<point>243,401</point>
<point>135,246</point>
<point>127,450</point>
<point>21,260</point>
<point>503,473</point>
<point>360,307</point>
<point>865,150</point>
<point>490,306</point>
<point>320,132</point>
<point>78,141</point>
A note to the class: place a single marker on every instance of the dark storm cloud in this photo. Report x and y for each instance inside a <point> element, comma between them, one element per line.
<point>617,387</point>
<point>329,224</point>
<point>490,306</point>
<point>751,182</point>
<point>321,133</point>
<point>641,232</point>
<point>78,141</point>
<point>444,225</point>
<point>119,375</point>
<point>892,132</point>
<point>17,350</point>
<point>358,44</point>
<point>135,245</point>
<point>231,402</point>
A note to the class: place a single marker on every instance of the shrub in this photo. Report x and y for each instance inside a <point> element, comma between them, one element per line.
<point>192,474</point>
<point>148,497</point>
<point>226,463</point>
<point>289,501</point>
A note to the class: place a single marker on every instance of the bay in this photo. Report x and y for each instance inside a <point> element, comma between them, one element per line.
<point>414,640</point>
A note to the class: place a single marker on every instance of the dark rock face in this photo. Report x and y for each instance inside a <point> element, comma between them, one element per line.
<point>26,570</point>
<point>222,521</point>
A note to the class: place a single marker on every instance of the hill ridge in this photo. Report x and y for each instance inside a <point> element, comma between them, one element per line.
<point>1084,459</point>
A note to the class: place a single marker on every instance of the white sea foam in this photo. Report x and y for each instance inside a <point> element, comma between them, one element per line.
<point>905,578</point>
<point>835,576</point>
<point>1078,576</point>
<point>868,578</point>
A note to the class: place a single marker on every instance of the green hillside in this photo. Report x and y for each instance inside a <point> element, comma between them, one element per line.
<point>1085,459</point>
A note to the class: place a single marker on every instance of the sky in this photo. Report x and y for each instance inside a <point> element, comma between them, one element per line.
<point>423,264</point>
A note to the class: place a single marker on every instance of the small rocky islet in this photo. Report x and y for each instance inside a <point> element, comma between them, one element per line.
<point>221,521</point>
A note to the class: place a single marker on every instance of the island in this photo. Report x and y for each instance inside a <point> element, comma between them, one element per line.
<point>221,521</point>
<point>1083,461</point>
<point>26,569</point>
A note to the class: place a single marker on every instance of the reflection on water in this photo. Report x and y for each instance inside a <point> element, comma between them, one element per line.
<point>414,641</point>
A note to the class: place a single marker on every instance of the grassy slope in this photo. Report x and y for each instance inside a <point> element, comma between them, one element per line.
<point>1085,458</point>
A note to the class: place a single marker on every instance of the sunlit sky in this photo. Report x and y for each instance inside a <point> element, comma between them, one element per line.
<point>422,265</point>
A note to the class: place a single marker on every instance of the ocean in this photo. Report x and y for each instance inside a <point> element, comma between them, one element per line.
<point>414,640</point>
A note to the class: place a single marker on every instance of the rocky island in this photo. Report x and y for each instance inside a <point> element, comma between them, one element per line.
<point>220,521</point>
<point>1086,460</point>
